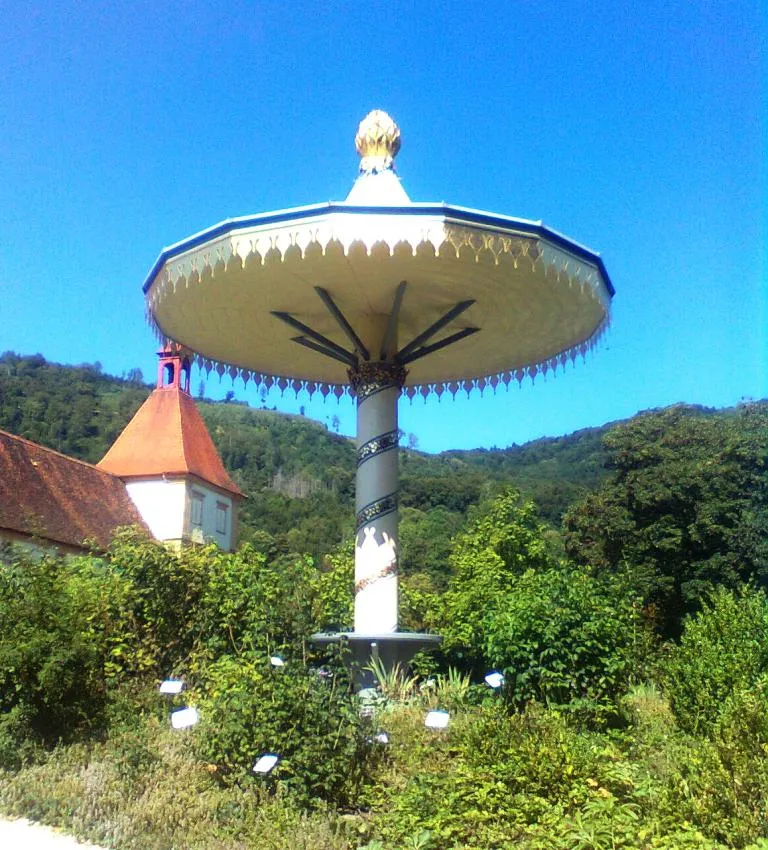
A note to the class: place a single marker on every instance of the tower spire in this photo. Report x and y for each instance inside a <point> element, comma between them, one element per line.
<point>173,369</point>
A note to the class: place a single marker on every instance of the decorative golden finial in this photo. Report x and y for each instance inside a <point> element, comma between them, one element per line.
<point>377,141</point>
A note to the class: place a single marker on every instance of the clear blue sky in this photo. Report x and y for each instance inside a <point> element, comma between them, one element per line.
<point>637,129</point>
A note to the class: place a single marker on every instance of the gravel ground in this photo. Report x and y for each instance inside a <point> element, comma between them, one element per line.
<point>24,835</point>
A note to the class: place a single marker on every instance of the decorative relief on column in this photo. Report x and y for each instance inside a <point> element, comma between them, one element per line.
<point>380,559</point>
<point>382,443</point>
<point>375,510</point>
<point>368,378</point>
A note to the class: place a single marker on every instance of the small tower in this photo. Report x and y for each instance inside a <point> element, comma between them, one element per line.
<point>170,466</point>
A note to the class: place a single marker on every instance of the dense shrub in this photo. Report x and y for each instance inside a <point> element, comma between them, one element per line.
<point>52,666</point>
<point>166,591</point>
<point>333,602</point>
<point>498,546</point>
<point>250,602</point>
<point>723,650</point>
<point>567,639</point>
<point>312,721</point>
<point>531,781</point>
<point>559,634</point>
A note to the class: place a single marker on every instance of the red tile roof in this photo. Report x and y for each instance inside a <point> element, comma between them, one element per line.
<point>167,436</point>
<point>56,498</point>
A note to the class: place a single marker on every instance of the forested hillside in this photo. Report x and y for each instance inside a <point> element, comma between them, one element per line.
<point>298,475</point>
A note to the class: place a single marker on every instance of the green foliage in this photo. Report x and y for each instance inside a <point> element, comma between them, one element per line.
<point>559,634</point>
<point>488,557</point>
<point>451,691</point>
<point>419,603</point>
<point>568,640</point>
<point>553,472</point>
<point>537,766</point>
<point>426,541</point>
<point>249,708</point>
<point>166,591</point>
<point>723,652</point>
<point>52,682</point>
<point>143,789</point>
<point>333,602</point>
<point>532,781</point>
<point>298,475</point>
<point>395,683</point>
<point>487,781</point>
<point>714,787</point>
<point>250,602</point>
<point>73,409</point>
<point>686,509</point>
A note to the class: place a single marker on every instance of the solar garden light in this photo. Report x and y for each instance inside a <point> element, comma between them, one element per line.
<point>184,718</point>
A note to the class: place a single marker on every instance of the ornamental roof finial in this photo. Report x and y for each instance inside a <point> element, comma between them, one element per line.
<point>377,141</point>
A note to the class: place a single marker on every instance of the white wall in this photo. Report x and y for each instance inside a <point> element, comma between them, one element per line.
<point>162,505</point>
<point>167,507</point>
<point>208,529</point>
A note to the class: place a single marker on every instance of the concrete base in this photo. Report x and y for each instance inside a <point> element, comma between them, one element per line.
<point>391,648</point>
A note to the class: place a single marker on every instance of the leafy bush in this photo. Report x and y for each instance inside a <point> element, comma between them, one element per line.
<point>249,708</point>
<point>333,603</point>
<point>498,546</point>
<point>560,634</point>
<point>252,603</point>
<point>723,650</point>
<point>52,679</point>
<point>492,779</point>
<point>567,639</point>
<point>166,590</point>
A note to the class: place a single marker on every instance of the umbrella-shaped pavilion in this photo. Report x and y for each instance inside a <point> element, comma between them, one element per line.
<point>377,296</point>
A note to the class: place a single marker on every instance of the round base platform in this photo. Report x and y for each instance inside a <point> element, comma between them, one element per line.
<point>391,649</point>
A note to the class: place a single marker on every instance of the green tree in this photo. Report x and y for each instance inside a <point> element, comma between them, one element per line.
<point>685,510</point>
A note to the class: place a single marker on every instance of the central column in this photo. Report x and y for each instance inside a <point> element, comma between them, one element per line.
<point>377,386</point>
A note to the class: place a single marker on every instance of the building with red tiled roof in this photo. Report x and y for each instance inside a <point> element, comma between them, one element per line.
<point>170,465</point>
<point>50,499</point>
<point>163,473</point>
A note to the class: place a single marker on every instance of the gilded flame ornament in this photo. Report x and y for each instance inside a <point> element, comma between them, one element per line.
<point>377,141</point>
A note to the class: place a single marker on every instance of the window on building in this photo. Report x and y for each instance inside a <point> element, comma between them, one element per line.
<point>197,509</point>
<point>222,517</point>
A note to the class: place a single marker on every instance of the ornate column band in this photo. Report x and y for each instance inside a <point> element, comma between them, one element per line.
<point>382,443</point>
<point>368,378</point>
<point>375,510</point>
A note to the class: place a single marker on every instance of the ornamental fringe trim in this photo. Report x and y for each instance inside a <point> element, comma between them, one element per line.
<point>300,242</point>
<point>482,383</point>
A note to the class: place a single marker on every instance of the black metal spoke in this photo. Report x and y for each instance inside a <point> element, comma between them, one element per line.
<point>315,346</point>
<point>436,346</point>
<point>417,341</point>
<point>394,315</point>
<point>343,323</point>
<point>313,334</point>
